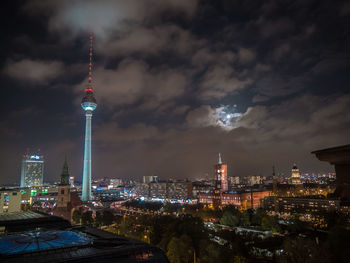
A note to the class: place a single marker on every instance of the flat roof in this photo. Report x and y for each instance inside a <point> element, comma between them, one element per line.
<point>20,216</point>
<point>333,149</point>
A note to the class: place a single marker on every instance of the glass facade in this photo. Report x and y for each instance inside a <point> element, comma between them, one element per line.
<point>32,170</point>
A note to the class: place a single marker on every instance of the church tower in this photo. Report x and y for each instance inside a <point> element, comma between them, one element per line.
<point>64,187</point>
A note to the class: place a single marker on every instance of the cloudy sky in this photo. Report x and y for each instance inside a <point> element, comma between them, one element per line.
<point>165,72</point>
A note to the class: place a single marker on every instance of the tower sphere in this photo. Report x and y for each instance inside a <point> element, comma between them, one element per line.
<point>88,102</point>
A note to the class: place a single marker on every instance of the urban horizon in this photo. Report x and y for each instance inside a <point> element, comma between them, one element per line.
<point>175,131</point>
<point>213,94</point>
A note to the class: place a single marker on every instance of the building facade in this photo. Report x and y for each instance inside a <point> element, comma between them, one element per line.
<point>10,201</point>
<point>220,171</point>
<point>244,199</point>
<point>295,178</point>
<point>252,180</point>
<point>220,196</point>
<point>149,179</point>
<point>32,172</point>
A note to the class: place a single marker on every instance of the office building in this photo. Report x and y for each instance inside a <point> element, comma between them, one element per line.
<point>295,178</point>
<point>234,180</point>
<point>158,190</point>
<point>149,179</point>
<point>252,180</point>
<point>32,172</point>
<point>115,182</point>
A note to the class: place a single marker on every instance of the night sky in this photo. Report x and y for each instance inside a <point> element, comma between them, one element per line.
<point>164,70</point>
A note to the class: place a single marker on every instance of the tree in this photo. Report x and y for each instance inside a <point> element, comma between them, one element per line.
<point>270,223</point>
<point>99,218</point>
<point>258,216</point>
<point>86,218</point>
<point>229,219</point>
<point>339,240</point>
<point>180,250</point>
<point>299,250</point>
<point>239,259</point>
<point>77,216</point>
<point>210,253</point>
<point>245,218</point>
<point>107,218</point>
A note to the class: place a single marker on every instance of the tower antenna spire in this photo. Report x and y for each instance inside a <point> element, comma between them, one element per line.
<point>220,161</point>
<point>90,60</point>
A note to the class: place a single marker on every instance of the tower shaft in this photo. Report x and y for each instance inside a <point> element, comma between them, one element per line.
<point>86,192</point>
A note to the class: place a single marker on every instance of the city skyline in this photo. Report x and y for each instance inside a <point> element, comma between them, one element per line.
<point>176,86</point>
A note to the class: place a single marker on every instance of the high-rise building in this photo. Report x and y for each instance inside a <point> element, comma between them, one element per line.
<point>234,180</point>
<point>251,180</point>
<point>295,175</point>
<point>149,179</point>
<point>32,172</point>
<point>115,182</point>
<point>221,175</point>
<point>89,105</point>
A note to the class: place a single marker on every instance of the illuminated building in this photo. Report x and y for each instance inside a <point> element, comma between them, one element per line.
<point>234,180</point>
<point>32,172</point>
<point>10,201</point>
<point>295,175</point>
<point>71,181</point>
<point>114,183</point>
<point>178,190</point>
<point>244,199</point>
<point>301,205</point>
<point>164,190</point>
<point>89,105</point>
<point>252,180</point>
<point>201,187</point>
<point>149,179</point>
<point>142,190</point>
<point>220,171</point>
<point>158,190</point>
<point>312,209</point>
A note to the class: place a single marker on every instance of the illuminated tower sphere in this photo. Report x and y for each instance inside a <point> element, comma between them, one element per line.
<point>89,105</point>
<point>221,176</point>
<point>295,175</point>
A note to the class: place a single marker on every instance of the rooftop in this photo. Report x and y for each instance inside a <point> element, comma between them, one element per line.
<point>34,237</point>
<point>20,216</point>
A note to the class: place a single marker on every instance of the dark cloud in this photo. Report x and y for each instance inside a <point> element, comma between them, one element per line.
<point>162,72</point>
<point>33,71</point>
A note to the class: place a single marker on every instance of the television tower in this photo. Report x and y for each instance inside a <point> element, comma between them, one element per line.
<point>88,104</point>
